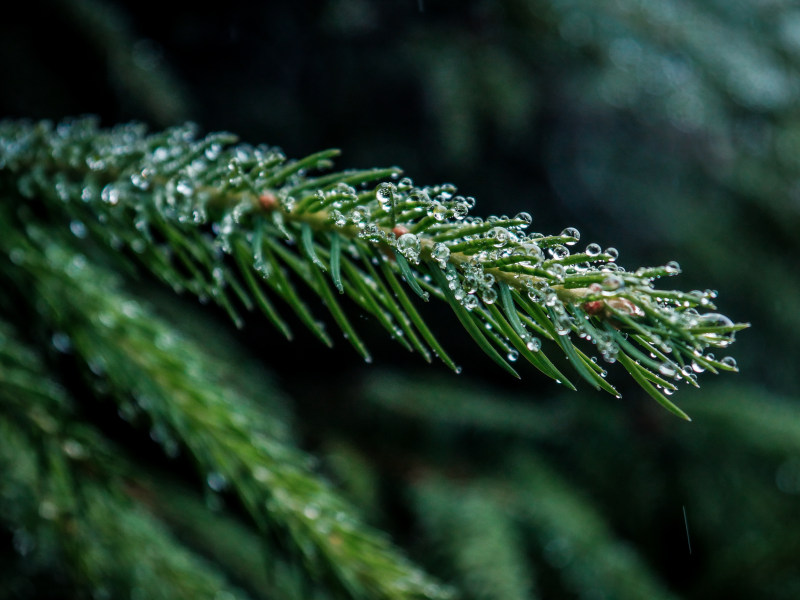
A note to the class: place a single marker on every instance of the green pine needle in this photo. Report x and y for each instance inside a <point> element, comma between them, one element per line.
<point>201,213</point>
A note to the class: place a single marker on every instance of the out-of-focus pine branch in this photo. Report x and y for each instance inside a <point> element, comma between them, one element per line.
<point>161,380</point>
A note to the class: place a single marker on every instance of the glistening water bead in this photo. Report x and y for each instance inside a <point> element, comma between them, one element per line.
<point>571,232</point>
<point>440,254</point>
<point>593,249</point>
<point>409,246</point>
<point>525,217</point>
<point>359,214</point>
<point>338,218</point>
<point>385,193</point>
<point>500,235</point>
<point>438,211</point>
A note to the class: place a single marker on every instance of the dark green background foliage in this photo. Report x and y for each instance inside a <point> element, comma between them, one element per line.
<point>668,129</point>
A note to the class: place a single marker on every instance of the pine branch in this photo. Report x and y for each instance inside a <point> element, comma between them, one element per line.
<point>575,540</point>
<point>227,541</point>
<point>581,544</point>
<point>74,505</point>
<point>156,376</point>
<point>241,225</point>
<point>487,555</point>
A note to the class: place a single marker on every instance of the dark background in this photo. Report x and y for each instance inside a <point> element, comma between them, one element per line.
<point>667,130</point>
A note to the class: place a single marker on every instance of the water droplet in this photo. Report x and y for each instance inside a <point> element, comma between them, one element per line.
<point>405,183</point>
<point>447,190</point>
<point>558,251</point>
<point>470,283</point>
<point>184,187</point>
<point>534,253</point>
<point>95,162</point>
<point>557,271</point>
<point>489,296</point>
<point>613,282</point>
<point>385,193</point>
<point>97,365</point>
<point>289,203</point>
<point>408,245</point>
<point>525,217</point>
<point>140,180</point>
<point>729,362</point>
<point>88,193</point>
<point>470,302</point>
<point>500,235</point>
<point>418,195</point>
<point>213,151</point>
<point>216,481</point>
<point>572,233</point>
<point>672,267</point>
<point>48,510</point>
<point>338,218</point>
<point>62,342</point>
<point>714,320</point>
<point>17,256</point>
<point>440,254</point>
<point>612,252</point>
<point>438,211</point>
<point>593,249</point>
<point>110,194</point>
<point>696,367</point>
<point>512,355</point>
<point>719,338</point>
<point>359,214</point>
<point>667,370</point>
<point>262,474</point>
<point>74,449</point>
<point>78,229</point>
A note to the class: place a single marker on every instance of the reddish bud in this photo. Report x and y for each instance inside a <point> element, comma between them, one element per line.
<point>268,201</point>
<point>399,230</point>
<point>594,307</point>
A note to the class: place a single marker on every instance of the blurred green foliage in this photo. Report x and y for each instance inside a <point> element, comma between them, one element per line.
<point>670,129</point>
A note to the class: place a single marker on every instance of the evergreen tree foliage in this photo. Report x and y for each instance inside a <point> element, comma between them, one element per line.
<point>157,446</point>
<point>219,220</point>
